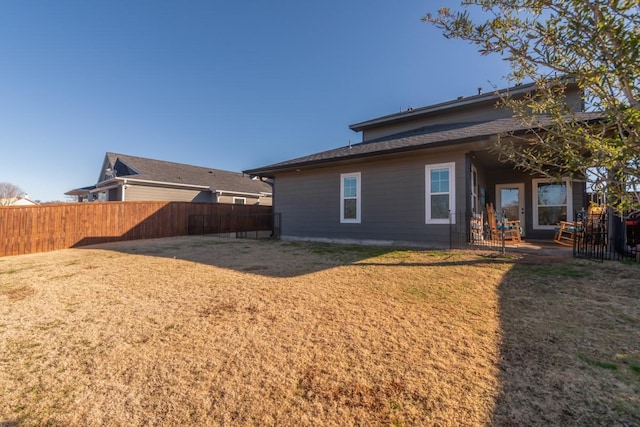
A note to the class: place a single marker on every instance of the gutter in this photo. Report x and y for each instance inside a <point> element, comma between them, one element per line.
<point>221,192</point>
<point>146,181</point>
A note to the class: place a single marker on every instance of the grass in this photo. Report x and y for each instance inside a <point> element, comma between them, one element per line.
<point>598,363</point>
<point>563,270</point>
<point>204,331</point>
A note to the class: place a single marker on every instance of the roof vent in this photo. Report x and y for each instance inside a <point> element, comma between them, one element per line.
<point>460,97</point>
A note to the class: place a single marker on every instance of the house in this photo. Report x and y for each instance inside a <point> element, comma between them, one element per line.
<point>23,200</point>
<point>130,178</point>
<point>416,174</point>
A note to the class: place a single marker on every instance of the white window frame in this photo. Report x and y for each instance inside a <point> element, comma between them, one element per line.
<point>534,184</point>
<point>451,166</point>
<point>358,198</point>
<point>243,199</point>
<point>475,208</point>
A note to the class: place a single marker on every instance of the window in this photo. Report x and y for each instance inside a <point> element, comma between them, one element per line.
<point>551,203</point>
<point>239,201</point>
<point>350,197</point>
<point>474,190</point>
<point>440,193</point>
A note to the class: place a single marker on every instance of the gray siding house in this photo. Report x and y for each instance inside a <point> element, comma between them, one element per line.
<point>130,178</point>
<point>415,174</point>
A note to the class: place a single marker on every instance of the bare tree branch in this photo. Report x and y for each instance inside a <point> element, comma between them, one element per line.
<point>8,193</point>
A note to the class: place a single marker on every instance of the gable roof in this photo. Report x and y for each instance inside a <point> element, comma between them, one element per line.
<point>160,171</point>
<point>424,137</point>
<point>119,167</point>
<point>485,100</point>
<point>489,99</point>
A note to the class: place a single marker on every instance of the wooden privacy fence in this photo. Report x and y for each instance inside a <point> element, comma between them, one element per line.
<point>30,229</point>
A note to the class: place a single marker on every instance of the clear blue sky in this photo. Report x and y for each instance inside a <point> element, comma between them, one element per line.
<point>230,85</point>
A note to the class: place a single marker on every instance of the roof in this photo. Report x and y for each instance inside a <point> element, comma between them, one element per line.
<point>461,102</point>
<point>82,191</point>
<point>424,137</point>
<point>485,99</point>
<point>161,171</point>
<point>17,201</point>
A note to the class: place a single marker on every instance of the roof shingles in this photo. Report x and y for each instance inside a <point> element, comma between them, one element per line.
<point>179,173</point>
<point>414,140</point>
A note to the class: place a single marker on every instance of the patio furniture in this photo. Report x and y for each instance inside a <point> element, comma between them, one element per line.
<point>507,229</point>
<point>565,232</point>
<point>586,226</point>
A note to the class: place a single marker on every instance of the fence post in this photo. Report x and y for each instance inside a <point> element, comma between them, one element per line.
<point>503,247</point>
<point>450,231</point>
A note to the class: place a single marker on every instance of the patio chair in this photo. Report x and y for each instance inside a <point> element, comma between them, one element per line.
<point>510,229</point>
<point>566,232</point>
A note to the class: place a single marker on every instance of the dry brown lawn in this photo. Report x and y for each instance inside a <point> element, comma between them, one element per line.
<point>206,331</point>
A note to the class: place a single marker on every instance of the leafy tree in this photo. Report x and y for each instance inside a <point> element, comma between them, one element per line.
<point>9,192</point>
<point>556,43</point>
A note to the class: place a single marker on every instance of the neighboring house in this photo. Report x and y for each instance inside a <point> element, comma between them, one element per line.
<point>18,201</point>
<point>129,178</point>
<point>416,173</point>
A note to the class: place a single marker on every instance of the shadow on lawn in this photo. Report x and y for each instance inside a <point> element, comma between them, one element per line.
<point>569,352</point>
<point>273,258</point>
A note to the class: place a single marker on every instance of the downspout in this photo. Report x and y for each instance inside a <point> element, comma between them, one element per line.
<point>124,185</point>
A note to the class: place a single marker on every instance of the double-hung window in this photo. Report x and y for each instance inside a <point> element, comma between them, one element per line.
<point>551,203</point>
<point>440,193</point>
<point>350,197</point>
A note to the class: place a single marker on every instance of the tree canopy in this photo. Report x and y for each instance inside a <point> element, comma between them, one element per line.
<point>554,43</point>
<point>8,193</point>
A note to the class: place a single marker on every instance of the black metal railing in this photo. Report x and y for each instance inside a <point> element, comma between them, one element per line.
<point>249,226</point>
<point>591,236</point>
<point>472,231</point>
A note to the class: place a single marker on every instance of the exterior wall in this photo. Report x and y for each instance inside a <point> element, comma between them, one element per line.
<point>140,193</point>
<point>478,112</point>
<point>147,193</point>
<point>392,197</point>
<point>265,201</point>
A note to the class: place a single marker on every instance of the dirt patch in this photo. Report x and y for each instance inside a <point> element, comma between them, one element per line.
<point>17,293</point>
